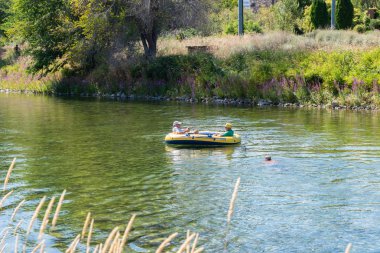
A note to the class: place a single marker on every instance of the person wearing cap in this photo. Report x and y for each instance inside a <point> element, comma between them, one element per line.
<point>177,128</point>
<point>229,132</point>
<point>268,159</point>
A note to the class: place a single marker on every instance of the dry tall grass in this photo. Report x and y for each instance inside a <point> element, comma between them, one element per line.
<point>9,174</point>
<point>165,242</point>
<point>86,223</point>
<point>232,202</point>
<point>225,46</point>
<point>89,236</point>
<point>16,209</point>
<point>46,218</point>
<point>115,242</point>
<point>58,209</point>
<point>348,248</point>
<point>4,198</point>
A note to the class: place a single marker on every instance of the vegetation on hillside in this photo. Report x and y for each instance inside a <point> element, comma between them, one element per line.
<point>93,46</point>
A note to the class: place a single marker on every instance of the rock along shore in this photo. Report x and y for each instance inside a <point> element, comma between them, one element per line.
<point>121,96</point>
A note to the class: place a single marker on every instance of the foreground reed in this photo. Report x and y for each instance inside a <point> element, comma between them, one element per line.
<point>232,202</point>
<point>58,209</point>
<point>165,242</point>
<point>9,174</point>
<point>114,243</point>
<point>34,240</point>
<point>348,248</point>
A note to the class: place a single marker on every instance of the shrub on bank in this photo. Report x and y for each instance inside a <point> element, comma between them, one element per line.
<point>374,24</point>
<point>280,76</point>
<point>281,73</point>
<point>360,28</point>
<point>367,68</point>
<point>14,76</point>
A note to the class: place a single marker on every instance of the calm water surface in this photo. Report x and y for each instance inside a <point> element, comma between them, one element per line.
<point>322,191</point>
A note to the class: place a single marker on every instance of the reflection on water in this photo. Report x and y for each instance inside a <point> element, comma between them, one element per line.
<point>321,192</point>
<point>178,154</point>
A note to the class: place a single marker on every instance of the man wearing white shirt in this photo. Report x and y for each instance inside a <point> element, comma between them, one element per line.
<point>177,128</point>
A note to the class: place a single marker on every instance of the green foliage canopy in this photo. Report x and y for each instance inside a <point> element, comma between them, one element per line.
<point>344,14</point>
<point>287,13</point>
<point>319,15</point>
<point>229,22</point>
<point>228,4</point>
<point>43,25</point>
<point>303,3</point>
<point>84,34</point>
<point>366,4</point>
<point>4,11</point>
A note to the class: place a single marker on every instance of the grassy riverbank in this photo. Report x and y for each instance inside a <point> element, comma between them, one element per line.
<point>324,67</point>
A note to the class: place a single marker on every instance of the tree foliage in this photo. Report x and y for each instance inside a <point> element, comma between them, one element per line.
<point>86,33</point>
<point>287,14</point>
<point>344,14</point>
<point>228,4</point>
<point>366,4</point>
<point>4,11</point>
<point>319,15</point>
<point>154,16</point>
<point>304,3</point>
<point>43,25</point>
<point>228,21</point>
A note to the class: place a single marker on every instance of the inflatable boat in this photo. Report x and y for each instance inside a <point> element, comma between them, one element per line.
<point>201,139</point>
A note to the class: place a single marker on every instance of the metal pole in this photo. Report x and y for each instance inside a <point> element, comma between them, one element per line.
<point>333,14</point>
<point>241,18</point>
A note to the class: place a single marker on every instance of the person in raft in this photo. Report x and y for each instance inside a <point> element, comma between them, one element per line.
<point>229,132</point>
<point>177,128</point>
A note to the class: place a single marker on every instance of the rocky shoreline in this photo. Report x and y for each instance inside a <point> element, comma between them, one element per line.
<point>208,100</point>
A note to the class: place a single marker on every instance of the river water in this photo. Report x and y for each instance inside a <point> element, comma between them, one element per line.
<point>321,192</point>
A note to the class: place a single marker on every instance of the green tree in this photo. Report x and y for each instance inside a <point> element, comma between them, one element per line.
<point>102,30</point>
<point>229,22</point>
<point>287,14</point>
<point>228,4</point>
<point>344,14</point>
<point>155,16</point>
<point>303,3</point>
<point>4,12</point>
<point>319,14</point>
<point>306,24</point>
<point>86,33</point>
<point>366,4</point>
<point>249,26</point>
<point>43,25</point>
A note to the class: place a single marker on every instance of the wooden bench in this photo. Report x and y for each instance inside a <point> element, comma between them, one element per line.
<point>198,49</point>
